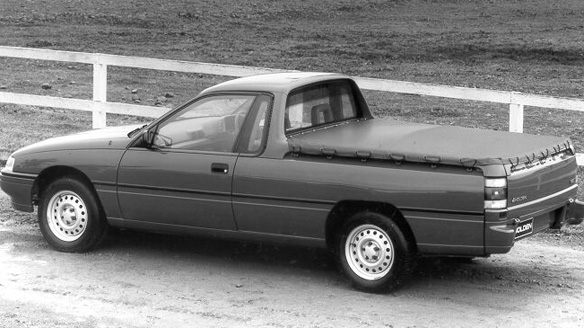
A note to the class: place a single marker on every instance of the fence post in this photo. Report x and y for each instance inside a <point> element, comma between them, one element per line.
<point>516,118</point>
<point>99,92</point>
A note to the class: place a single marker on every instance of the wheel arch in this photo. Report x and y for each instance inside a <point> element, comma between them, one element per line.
<point>51,174</point>
<point>347,208</point>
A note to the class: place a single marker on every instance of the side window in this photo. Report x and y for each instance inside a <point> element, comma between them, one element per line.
<point>319,104</point>
<point>209,124</point>
<point>256,127</point>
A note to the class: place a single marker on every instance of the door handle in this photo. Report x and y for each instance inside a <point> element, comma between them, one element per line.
<point>220,168</point>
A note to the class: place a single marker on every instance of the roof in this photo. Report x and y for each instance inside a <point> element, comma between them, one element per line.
<point>278,82</point>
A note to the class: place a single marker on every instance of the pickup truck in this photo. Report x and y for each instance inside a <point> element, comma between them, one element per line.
<point>298,158</point>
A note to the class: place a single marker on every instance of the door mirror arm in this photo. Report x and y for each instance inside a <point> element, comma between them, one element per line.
<point>148,140</point>
<point>156,141</point>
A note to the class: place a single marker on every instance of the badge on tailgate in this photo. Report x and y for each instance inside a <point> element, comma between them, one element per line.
<point>524,228</point>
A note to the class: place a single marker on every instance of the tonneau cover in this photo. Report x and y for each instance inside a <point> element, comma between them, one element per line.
<point>414,142</point>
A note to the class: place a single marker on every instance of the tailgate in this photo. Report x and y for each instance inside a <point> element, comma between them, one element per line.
<point>538,190</point>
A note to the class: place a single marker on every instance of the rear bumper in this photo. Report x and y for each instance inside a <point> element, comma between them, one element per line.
<point>501,227</point>
<point>19,189</point>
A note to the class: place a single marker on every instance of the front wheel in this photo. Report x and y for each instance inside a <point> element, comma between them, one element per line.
<point>70,217</point>
<point>374,253</point>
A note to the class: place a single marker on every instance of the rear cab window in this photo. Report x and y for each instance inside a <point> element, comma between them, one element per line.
<point>320,104</point>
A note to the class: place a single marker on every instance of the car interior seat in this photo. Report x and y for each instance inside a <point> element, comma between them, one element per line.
<point>320,114</point>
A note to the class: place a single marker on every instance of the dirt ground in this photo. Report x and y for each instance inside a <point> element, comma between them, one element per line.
<point>145,280</point>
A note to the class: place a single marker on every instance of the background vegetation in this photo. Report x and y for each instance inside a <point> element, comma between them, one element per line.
<point>534,46</point>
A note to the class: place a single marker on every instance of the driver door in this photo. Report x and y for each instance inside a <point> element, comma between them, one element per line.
<point>181,173</point>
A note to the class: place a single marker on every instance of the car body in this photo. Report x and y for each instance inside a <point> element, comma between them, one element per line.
<point>298,158</point>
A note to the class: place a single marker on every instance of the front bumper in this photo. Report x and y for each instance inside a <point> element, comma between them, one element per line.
<point>19,188</point>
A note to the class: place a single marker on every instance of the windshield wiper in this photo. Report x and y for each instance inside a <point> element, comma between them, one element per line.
<point>133,132</point>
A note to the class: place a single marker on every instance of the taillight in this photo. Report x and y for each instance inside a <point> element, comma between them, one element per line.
<point>495,193</point>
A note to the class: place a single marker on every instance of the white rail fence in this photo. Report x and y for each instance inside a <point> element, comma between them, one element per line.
<point>100,106</point>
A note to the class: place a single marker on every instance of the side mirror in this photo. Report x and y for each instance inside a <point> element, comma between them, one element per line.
<point>147,138</point>
<point>155,140</point>
<point>150,134</point>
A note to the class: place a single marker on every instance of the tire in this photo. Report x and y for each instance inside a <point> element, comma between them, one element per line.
<point>374,253</point>
<point>70,216</point>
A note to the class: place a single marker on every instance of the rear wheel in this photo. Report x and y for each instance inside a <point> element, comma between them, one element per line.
<point>374,253</point>
<point>70,217</point>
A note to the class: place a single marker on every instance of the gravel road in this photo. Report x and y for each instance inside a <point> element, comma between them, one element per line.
<point>146,280</point>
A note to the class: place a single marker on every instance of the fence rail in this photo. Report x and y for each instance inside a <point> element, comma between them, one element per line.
<point>99,106</point>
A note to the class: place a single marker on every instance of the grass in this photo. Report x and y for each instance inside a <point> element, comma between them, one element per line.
<point>530,46</point>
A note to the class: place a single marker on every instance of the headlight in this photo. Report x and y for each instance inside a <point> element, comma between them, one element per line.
<point>495,193</point>
<point>9,164</point>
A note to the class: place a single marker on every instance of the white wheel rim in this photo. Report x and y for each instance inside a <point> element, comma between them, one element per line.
<point>369,252</point>
<point>67,216</point>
